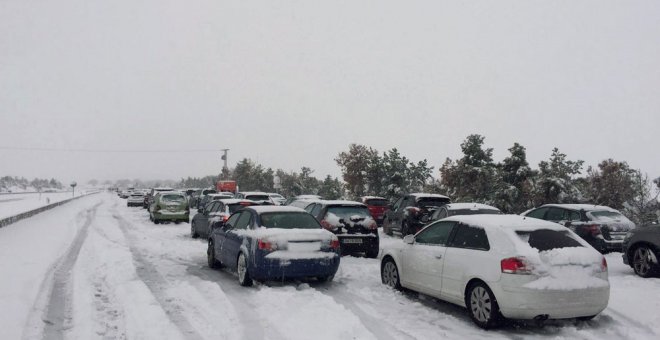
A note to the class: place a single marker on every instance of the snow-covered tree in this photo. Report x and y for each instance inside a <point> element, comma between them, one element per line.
<point>611,184</point>
<point>331,188</point>
<point>643,208</point>
<point>355,165</point>
<point>555,182</point>
<point>514,182</point>
<point>471,178</point>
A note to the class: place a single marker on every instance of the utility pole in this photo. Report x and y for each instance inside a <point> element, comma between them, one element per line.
<point>224,158</point>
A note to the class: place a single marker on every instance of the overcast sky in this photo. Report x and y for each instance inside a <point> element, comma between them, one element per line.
<point>293,83</point>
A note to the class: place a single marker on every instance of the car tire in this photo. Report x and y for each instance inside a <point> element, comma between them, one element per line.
<point>327,278</point>
<point>156,221</point>
<point>210,256</point>
<point>482,306</point>
<point>244,278</point>
<point>193,232</point>
<point>642,261</point>
<point>389,273</point>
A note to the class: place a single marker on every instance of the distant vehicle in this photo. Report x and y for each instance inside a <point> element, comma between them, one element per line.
<point>411,212</point>
<point>228,186</point>
<point>149,197</point>
<point>136,199</point>
<point>351,221</point>
<point>190,191</point>
<point>501,266</point>
<point>125,193</point>
<point>198,195</point>
<point>274,243</point>
<point>215,211</point>
<point>302,197</point>
<point>257,196</point>
<point>641,250</point>
<point>211,197</point>
<point>170,206</point>
<point>603,227</point>
<point>454,209</point>
<point>277,198</point>
<point>378,207</point>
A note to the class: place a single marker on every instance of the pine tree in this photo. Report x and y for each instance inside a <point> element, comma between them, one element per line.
<point>555,183</point>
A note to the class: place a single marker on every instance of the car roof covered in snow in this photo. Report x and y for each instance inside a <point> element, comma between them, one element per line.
<point>469,206</point>
<point>260,209</point>
<point>341,202</point>
<point>234,200</point>
<point>253,193</point>
<point>419,195</point>
<point>308,197</point>
<point>585,207</point>
<point>220,195</point>
<point>373,198</point>
<point>515,222</point>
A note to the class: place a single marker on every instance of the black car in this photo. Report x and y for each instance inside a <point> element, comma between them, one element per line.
<point>215,211</point>
<point>641,250</point>
<point>454,209</point>
<point>198,195</point>
<point>603,227</point>
<point>411,213</point>
<point>351,221</point>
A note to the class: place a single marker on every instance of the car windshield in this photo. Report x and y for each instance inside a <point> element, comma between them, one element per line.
<point>474,212</point>
<point>289,220</point>
<point>546,239</point>
<point>432,201</point>
<point>258,197</point>
<point>172,198</point>
<point>346,212</point>
<point>377,202</point>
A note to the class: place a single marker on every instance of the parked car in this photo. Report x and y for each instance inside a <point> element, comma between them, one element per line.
<point>125,193</point>
<point>136,199</point>
<point>411,212</point>
<point>169,206</point>
<point>215,211</point>
<point>603,227</point>
<point>454,209</point>
<point>378,207</point>
<point>356,230</point>
<point>302,197</point>
<point>274,243</point>
<point>211,197</point>
<point>302,203</point>
<point>198,195</point>
<point>501,266</point>
<point>641,250</point>
<point>257,196</point>
<point>277,198</point>
<point>149,198</point>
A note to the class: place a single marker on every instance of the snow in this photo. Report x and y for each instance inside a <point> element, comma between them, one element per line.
<point>260,209</point>
<point>15,204</point>
<point>515,222</point>
<point>422,195</point>
<point>132,279</point>
<point>586,207</point>
<point>469,206</point>
<point>343,202</point>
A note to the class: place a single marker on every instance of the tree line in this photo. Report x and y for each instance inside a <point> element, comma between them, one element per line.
<point>9,182</point>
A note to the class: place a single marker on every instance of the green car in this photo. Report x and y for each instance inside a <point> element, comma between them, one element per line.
<point>169,206</point>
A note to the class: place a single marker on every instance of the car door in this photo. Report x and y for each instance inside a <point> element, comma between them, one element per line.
<point>234,238</point>
<point>467,255</point>
<point>423,261</point>
<point>391,214</point>
<point>219,235</point>
<point>205,221</point>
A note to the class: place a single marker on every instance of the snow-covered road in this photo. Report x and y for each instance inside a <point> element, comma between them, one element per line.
<point>97,269</point>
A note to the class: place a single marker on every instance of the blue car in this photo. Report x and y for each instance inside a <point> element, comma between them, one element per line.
<point>273,243</point>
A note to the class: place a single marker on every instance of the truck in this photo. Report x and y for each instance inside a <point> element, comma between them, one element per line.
<point>226,186</point>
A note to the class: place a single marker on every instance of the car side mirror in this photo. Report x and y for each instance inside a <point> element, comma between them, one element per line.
<point>409,239</point>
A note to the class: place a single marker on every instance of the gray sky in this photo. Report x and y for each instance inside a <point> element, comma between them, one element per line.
<point>292,83</point>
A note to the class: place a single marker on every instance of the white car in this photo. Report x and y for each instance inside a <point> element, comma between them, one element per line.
<point>277,198</point>
<point>502,266</point>
<point>135,199</point>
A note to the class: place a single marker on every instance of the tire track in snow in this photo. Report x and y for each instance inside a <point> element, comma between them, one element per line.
<point>157,284</point>
<point>58,313</point>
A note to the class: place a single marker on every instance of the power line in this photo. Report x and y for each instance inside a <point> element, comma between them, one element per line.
<point>18,148</point>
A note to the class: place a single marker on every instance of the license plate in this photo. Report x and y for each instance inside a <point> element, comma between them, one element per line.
<point>352,240</point>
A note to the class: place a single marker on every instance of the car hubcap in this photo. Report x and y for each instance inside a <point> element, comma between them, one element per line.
<point>642,261</point>
<point>390,273</point>
<point>241,268</point>
<point>480,304</point>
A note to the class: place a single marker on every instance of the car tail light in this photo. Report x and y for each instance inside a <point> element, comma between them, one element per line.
<point>225,218</point>
<point>327,225</point>
<point>603,264</point>
<point>373,225</point>
<point>266,245</point>
<point>415,210</point>
<point>245,204</point>
<point>515,265</point>
<point>334,244</point>
<point>593,229</point>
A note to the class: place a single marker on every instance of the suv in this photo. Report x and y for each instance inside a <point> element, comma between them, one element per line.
<point>351,222</point>
<point>378,207</point>
<point>641,250</point>
<point>169,206</point>
<point>603,227</point>
<point>411,212</point>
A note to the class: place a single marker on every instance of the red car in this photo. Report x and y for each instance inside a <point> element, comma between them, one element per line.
<point>377,206</point>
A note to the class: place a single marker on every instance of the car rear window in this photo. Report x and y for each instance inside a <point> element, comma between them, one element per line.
<point>258,197</point>
<point>377,202</point>
<point>546,239</point>
<point>604,215</point>
<point>208,191</point>
<point>346,212</point>
<point>289,220</point>
<point>238,206</point>
<point>432,201</point>
<point>172,198</point>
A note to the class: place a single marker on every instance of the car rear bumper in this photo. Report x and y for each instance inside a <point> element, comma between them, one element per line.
<point>356,243</point>
<point>172,215</point>
<point>284,268</point>
<point>525,303</point>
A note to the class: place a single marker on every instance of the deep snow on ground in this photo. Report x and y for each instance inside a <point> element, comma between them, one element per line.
<point>98,269</point>
<point>18,203</point>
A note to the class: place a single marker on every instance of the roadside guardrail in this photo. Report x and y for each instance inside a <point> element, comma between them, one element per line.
<point>13,219</point>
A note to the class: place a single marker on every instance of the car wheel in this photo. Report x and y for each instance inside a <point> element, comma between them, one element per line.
<point>644,261</point>
<point>242,268</point>
<point>193,232</point>
<point>325,278</point>
<point>156,221</point>
<point>210,256</point>
<point>482,306</point>
<point>389,274</point>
